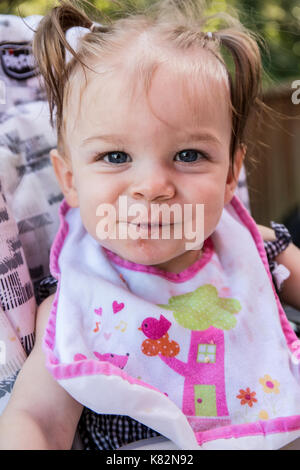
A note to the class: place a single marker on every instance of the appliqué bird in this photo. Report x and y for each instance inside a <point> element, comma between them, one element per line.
<point>158,339</point>
<point>155,329</point>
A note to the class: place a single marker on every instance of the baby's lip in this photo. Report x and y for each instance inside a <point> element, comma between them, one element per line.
<point>149,224</point>
<point>146,223</point>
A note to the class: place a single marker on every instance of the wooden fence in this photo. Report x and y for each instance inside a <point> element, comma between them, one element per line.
<point>274,180</point>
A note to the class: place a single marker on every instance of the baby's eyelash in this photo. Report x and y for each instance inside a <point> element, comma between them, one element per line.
<point>199,152</point>
<point>101,156</point>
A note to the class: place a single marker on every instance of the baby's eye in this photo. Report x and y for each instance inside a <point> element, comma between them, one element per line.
<point>114,157</point>
<point>190,156</point>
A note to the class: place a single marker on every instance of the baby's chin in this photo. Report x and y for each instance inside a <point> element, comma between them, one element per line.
<point>146,252</point>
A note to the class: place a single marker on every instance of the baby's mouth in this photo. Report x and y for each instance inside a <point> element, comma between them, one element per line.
<point>148,225</point>
<point>145,225</point>
<point>152,225</point>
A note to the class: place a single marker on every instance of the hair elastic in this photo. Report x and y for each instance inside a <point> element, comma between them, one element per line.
<point>97,27</point>
<point>209,35</point>
<point>93,27</point>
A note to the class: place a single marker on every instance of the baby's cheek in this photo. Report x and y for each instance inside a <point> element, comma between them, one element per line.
<point>212,214</point>
<point>89,219</point>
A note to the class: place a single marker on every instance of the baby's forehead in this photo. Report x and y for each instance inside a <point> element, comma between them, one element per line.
<point>196,78</point>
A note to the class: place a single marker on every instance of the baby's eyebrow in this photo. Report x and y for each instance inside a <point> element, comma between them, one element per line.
<point>105,137</point>
<point>206,136</point>
<point>196,137</point>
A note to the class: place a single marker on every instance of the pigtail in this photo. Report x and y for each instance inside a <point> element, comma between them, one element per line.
<point>245,81</point>
<point>49,48</point>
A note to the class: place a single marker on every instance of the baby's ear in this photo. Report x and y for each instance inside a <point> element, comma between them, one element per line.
<point>233,173</point>
<point>64,174</point>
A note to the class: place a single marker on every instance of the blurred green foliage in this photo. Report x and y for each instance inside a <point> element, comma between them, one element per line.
<point>277,21</point>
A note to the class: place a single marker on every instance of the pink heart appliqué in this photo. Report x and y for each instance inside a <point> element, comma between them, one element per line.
<point>117,307</point>
<point>107,336</point>
<point>98,311</point>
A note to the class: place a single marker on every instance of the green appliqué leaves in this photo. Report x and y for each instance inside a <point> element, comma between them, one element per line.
<point>203,308</point>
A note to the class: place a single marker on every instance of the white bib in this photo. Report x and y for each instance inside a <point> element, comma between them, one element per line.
<point>206,357</point>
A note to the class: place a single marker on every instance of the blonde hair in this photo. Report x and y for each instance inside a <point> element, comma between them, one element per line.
<point>180,24</point>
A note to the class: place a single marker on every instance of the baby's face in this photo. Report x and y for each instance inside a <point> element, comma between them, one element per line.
<point>118,147</point>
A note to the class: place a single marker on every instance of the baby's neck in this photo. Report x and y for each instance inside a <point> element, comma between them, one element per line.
<point>180,263</point>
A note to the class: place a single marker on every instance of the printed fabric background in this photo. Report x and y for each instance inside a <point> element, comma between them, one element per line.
<point>17,303</point>
<point>29,195</point>
<point>26,137</point>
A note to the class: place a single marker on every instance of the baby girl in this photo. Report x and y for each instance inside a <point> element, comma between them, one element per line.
<point>188,342</point>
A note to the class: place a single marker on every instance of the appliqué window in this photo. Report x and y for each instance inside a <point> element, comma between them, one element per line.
<point>206,353</point>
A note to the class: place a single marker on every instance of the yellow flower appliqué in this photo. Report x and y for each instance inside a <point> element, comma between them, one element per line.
<point>269,385</point>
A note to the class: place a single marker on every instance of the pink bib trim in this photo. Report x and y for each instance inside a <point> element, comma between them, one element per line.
<point>186,274</point>
<point>290,335</point>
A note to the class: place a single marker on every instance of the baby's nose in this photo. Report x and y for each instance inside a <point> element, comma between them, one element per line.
<point>153,186</point>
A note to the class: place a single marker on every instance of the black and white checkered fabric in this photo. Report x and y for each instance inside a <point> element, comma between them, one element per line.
<point>274,248</point>
<point>110,432</point>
